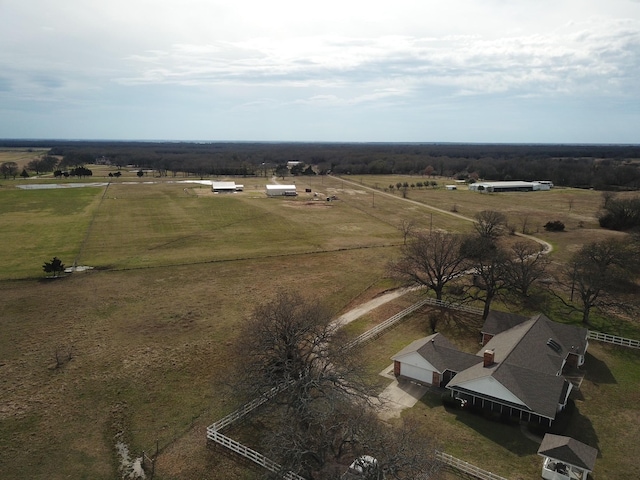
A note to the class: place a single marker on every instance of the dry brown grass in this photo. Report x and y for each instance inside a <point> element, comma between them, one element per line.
<point>151,331</point>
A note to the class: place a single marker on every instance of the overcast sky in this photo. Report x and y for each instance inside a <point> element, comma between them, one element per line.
<point>546,71</point>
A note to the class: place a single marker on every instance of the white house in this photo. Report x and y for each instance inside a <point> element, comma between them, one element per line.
<point>518,372</point>
<point>281,190</point>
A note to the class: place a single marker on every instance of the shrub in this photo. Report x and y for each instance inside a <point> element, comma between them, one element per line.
<point>621,214</point>
<point>554,226</point>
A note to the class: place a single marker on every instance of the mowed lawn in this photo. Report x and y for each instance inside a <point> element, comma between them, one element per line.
<point>154,225</point>
<point>40,224</point>
<point>151,331</point>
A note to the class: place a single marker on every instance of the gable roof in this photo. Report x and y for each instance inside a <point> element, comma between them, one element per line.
<point>498,322</point>
<point>439,352</point>
<point>528,361</point>
<point>568,450</point>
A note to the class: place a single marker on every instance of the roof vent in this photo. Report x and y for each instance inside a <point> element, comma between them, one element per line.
<point>554,345</point>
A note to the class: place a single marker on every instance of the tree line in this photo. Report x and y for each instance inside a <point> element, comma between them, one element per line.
<point>603,167</point>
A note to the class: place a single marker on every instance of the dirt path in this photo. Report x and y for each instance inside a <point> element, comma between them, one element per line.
<point>546,245</point>
<point>366,307</point>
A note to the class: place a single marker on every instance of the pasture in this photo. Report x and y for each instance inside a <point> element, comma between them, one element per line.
<point>150,330</point>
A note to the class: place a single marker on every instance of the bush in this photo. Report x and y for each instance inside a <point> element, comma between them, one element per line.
<point>555,226</point>
<point>621,214</point>
<point>449,401</point>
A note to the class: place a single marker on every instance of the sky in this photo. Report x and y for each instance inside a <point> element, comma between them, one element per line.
<point>489,71</point>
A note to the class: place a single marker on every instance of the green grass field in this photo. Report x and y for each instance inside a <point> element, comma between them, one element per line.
<point>177,268</point>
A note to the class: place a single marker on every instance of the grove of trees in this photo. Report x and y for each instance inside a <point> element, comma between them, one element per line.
<point>602,275</point>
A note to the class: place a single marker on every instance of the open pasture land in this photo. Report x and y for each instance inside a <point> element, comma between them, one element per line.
<point>527,212</point>
<point>21,156</point>
<point>144,343</point>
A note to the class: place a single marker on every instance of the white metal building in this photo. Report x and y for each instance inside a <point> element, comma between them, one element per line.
<point>515,186</point>
<point>281,190</point>
<point>226,187</point>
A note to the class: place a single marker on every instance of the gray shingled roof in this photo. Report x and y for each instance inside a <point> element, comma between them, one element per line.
<point>568,450</point>
<point>498,322</point>
<point>440,353</point>
<point>526,364</point>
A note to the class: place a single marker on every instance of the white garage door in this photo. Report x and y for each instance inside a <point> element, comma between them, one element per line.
<point>420,374</point>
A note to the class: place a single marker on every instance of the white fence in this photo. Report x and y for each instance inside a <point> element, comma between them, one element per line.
<point>605,337</point>
<point>250,454</point>
<point>213,430</point>
<point>248,407</point>
<point>467,467</point>
<point>379,329</point>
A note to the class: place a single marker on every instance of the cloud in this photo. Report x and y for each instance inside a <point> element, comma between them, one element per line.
<point>603,56</point>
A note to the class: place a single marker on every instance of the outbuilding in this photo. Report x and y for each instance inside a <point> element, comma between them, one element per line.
<point>281,190</point>
<point>225,187</point>
<point>515,186</point>
<point>566,458</point>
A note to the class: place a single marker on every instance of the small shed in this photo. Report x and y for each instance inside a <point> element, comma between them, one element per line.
<point>451,187</point>
<point>566,458</point>
<point>281,190</point>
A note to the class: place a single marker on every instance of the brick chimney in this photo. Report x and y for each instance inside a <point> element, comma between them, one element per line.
<point>489,357</point>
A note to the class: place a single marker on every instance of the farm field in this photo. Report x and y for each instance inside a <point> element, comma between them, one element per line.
<point>150,329</point>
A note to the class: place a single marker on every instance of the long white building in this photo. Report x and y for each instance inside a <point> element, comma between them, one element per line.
<point>515,186</point>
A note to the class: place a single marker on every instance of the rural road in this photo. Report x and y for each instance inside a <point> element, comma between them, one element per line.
<point>404,394</point>
<point>546,245</point>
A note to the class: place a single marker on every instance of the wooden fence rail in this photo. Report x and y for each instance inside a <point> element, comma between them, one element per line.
<point>605,337</point>
<point>466,467</point>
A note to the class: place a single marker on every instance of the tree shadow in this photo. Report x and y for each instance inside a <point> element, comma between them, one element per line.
<point>572,423</point>
<point>498,429</point>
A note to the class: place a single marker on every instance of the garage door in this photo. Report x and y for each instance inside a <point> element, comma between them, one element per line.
<point>417,373</point>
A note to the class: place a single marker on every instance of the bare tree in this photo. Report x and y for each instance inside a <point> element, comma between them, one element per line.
<point>489,266</point>
<point>525,266</point>
<point>490,223</point>
<point>406,227</point>
<point>9,169</point>
<point>595,277</point>
<point>524,220</point>
<point>324,419</point>
<point>431,260</point>
<point>291,339</point>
